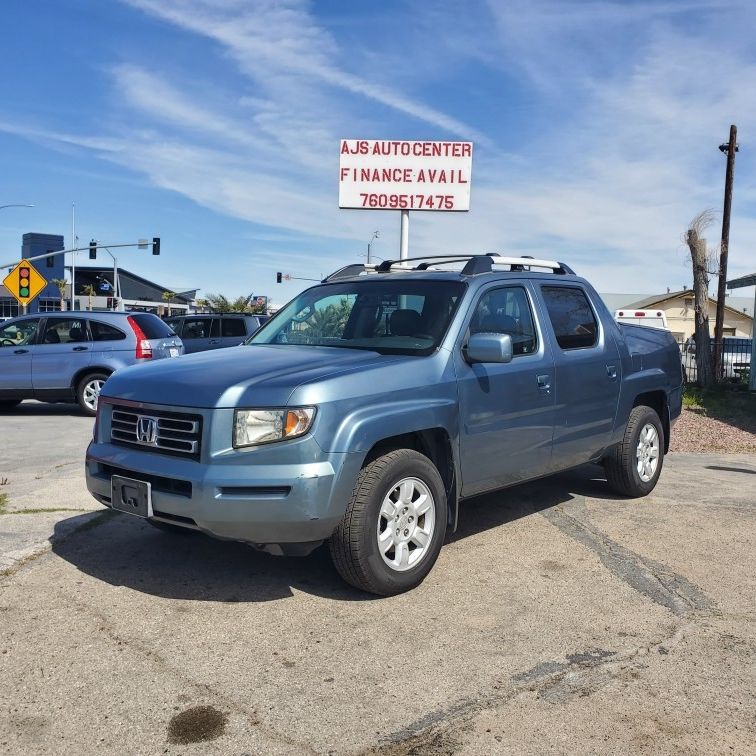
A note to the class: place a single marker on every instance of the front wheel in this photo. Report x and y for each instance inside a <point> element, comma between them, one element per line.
<point>88,392</point>
<point>633,466</point>
<point>394,525</point>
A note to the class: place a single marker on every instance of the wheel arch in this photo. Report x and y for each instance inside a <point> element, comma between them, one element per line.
<point>436,445</point>
<point>79,374</point>
<point>658,402</point>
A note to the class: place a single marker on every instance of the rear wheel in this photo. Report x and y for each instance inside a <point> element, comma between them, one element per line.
<point>88,392</point>
<point>394,525</point>
<point>634,465</point>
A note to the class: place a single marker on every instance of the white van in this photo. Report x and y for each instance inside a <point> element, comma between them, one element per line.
<point>650,318</point>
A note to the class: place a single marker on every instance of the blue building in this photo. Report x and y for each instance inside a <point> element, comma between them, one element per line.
<point>49,268</point>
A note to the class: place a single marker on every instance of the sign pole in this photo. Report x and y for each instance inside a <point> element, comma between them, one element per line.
<point>404,236</point>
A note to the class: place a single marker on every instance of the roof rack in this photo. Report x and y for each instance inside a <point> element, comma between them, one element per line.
<point>473,265</point>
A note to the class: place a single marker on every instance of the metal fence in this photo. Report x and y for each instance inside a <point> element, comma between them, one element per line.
<point>736,360</point>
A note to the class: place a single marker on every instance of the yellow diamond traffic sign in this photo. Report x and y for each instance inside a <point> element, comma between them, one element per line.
<point>24,283</point>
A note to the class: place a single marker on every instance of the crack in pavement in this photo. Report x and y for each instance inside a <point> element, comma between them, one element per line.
<point>583,672</point>
<point>648,577</point>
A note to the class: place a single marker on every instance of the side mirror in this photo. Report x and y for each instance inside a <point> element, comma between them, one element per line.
<point>489,347</point>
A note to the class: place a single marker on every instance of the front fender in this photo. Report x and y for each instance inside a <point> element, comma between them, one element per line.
<point>363,428</point>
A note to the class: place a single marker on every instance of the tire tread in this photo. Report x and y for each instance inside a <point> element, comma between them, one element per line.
<point>618,463</point>
<point>344,544</point>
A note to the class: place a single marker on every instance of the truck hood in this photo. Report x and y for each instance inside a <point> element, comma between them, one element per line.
<point>255,375</point>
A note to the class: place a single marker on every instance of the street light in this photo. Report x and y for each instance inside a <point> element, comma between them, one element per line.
<point>375,235</point>
<point>2,207</point>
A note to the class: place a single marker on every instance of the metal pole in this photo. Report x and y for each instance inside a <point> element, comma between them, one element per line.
<point>117,303</point>
<point>73,256</point>
<point>723,250</point>
<point>404,241</point>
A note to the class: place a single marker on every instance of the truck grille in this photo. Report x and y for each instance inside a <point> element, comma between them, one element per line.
<point>154,430</point>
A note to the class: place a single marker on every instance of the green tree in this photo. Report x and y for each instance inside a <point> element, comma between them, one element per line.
<point>221,303</point>
<point>90,291</point>
<point>168,297</point>
<point>61,284</point>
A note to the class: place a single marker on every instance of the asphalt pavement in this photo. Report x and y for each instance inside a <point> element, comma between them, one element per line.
<point>559,619</point>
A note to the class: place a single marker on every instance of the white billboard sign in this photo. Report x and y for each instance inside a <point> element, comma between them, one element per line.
<point>379,174</point>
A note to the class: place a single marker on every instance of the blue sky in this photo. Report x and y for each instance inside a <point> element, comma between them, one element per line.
<point>215,125</point>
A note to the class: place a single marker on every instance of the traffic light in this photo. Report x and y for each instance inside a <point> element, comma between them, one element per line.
<point>93,250</point>
<point>155,245</point>
<point>23,282</point>
<point>278,277</point>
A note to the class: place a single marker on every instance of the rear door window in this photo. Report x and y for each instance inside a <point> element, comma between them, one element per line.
<point>233,327</point>
<point>571,316</point>
<point>64,331</point>
<point>105,332</point>
<point>152,326</point>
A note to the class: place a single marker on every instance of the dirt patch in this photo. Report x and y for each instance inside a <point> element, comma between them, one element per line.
<point>196,725</point>
<point>699,433</point>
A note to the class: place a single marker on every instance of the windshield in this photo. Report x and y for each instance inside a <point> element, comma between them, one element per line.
<point>391,316</point>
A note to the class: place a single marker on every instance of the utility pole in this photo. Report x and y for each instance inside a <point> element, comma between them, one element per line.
<point>729,149</point>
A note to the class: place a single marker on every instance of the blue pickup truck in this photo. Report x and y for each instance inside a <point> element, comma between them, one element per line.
<point>373,404</point>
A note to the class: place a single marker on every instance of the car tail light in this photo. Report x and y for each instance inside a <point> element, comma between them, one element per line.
<point>143,346</point>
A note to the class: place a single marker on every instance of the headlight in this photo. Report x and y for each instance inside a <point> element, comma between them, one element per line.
<point>264,426</point>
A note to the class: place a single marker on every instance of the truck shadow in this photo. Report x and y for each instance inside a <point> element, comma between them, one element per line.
<point>122,550</point>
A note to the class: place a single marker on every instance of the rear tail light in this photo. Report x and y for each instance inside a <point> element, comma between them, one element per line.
<point>143,346</point>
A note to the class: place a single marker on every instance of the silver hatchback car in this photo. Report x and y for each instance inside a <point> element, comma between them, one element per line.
<point>68,356</point>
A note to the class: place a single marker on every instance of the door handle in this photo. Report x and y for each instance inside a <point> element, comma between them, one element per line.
<point>215,341</point>
<point>611,371</point>
<point>20,351</point>
<point>80,349</point>
<point>544,383</point>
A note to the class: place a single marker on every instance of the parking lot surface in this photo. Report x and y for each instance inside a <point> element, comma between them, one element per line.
<point>559,619</point>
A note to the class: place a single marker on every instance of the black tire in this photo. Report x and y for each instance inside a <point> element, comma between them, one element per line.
<point>9,404</point>
<point>621,463</point>
<point>354,544</point>
<point>83,394</point>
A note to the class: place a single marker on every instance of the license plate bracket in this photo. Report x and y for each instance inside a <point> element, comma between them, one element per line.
<point>131,496</point>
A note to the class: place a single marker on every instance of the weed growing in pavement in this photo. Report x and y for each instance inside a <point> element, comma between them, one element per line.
<point>3,503</point>
<point>3,481</point>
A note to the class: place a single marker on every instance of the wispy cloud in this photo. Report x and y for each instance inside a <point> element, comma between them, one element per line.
<point>272,39</point>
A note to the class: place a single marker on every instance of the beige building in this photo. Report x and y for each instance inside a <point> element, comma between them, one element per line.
<point>680,310</point>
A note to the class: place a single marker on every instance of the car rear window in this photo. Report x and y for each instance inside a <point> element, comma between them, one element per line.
<point>152,326</point>
<point>105,332</point>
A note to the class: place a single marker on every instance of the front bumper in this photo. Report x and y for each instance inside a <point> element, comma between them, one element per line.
<point>265,501</point>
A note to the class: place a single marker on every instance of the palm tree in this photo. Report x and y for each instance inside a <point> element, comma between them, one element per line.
<point>61,284</point>
<point>168,296</point>
<point>221,303</point>
<point>90,291</point>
